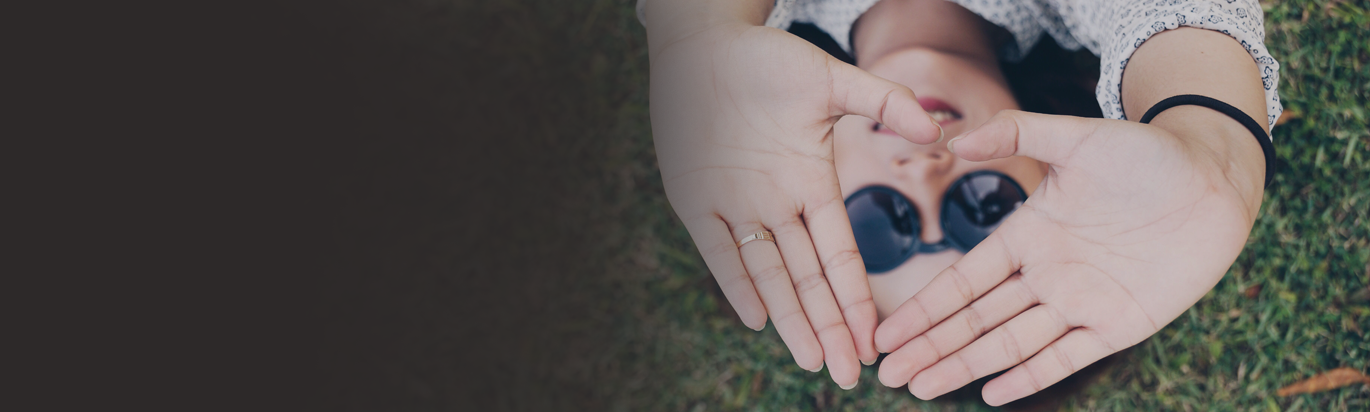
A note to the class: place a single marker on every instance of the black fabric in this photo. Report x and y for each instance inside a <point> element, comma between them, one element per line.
<point>1236,114</point>
<point>822,39</point>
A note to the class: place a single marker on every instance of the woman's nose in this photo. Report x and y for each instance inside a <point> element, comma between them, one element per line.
<point>923,173</point>
<point>925,162</point>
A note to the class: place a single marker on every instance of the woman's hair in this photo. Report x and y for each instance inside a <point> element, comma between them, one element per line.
<point>1052,80</point>
<point>1048,80</point>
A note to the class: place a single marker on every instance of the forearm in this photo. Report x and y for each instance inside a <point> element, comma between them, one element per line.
<point>1207,63</point>
<point>671,20</point>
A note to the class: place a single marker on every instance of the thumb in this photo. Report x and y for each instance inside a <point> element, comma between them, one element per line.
<point>856,91</point>
<point>1048,138</point>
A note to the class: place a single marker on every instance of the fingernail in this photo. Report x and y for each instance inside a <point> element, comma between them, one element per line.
<point>819,368</point>
<point>872,362</point>
<point>758,328</point>
<point>915,393</point>
<point>847,388</point>
<point>941,134</point>
<point>952,143</point>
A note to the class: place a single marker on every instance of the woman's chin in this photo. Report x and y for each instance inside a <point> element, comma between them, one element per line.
<point>893,288</point>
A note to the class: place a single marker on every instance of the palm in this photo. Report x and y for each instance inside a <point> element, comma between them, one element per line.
<point>1130,228</point>
<point>1128,225</point>
<point>746,126</point>
<point>742,119</point>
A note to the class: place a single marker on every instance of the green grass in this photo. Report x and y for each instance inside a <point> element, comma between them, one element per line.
<point>680,347</point>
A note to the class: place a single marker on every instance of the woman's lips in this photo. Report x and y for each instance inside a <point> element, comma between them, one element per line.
<point>940,111</point>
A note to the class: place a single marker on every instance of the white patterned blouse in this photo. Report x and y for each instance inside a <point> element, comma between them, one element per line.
<point>1111,29</point>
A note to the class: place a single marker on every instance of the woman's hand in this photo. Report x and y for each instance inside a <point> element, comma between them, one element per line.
<point>742,118</point>
<point>1133,224</point>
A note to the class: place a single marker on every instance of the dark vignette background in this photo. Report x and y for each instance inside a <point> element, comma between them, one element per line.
<point>454,205</point>
<point>343,205</point>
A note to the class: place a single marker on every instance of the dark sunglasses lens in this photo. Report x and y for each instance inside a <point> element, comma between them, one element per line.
<point>977,204</point>
<point>886,227</point>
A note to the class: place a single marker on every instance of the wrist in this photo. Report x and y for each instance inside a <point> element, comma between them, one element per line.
<point>1206,63</point>
<point>1215,137</point>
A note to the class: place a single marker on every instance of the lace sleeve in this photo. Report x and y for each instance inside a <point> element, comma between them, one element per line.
<point>1114,29</point>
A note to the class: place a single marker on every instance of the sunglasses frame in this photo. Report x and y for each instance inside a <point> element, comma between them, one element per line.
<point>948,241</point>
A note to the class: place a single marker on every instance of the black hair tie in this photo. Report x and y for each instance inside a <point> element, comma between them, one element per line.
<point>1236,114</point>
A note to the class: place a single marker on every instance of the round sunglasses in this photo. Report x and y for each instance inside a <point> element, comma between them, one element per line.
<point>888,229</point>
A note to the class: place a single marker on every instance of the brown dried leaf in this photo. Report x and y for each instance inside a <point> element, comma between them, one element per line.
<point>1286,116</point>
<point>1252,291</point>
<point>1325,381</point>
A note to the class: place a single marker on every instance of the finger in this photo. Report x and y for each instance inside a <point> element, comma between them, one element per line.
<point>958,285</point>
<point>839,351</point>
<point>856,91</point>
<point>835,245</point>
<point>1077,349</point>
<point>772,281</point>
<point>1048,138</point>
<point>720,253</point>
<point>1001,348</point>
<point>999,305</point>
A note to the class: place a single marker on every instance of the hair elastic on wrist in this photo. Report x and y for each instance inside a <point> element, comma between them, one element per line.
<point>1236,114</point>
